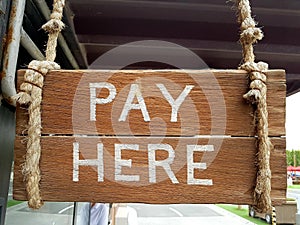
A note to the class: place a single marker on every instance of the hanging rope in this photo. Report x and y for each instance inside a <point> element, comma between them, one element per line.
<point>257,96</point>
<point>273,216</point>
<point>31,95</point>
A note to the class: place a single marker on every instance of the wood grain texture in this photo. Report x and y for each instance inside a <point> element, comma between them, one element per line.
<point>214,106</point>
<point>231,167</point>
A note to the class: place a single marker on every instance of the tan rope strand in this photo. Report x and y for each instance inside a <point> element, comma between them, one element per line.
<point>274,216</point>
<point>257,95</point>
<point>53,27</point>
<point>249,33</point>
<point>31,94</point>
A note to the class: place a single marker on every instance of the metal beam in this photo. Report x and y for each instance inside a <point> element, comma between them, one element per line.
<point>98,44</point>
<point>188,11</point>
<point>7,137</point>
<point>30,46</point>
<point>12,50</point>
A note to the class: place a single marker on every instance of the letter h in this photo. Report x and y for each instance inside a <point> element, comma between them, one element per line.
<point>87,162</point>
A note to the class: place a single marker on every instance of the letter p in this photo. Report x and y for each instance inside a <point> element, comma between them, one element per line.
<point>94,100</point>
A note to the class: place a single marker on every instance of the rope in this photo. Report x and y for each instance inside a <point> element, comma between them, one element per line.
<point>273,216</point>
<point>31,95</point>
<point>257,96</point>
<point>53,27</point>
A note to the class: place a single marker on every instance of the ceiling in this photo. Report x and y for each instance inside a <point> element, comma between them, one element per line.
<point>208,28</point>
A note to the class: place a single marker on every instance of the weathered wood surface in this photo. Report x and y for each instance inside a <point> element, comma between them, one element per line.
<point>213,107</point>
<point>67,97</point>
<point>231,169</point>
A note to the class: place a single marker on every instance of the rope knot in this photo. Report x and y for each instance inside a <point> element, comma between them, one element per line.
<point>252,66</point>
<point>248,22</point>
<point>53,26</point>
<point>33,78</point>
<point>255,75</point>
<point>257,84</point>
<point>251,35</point>
<point>258,81</point>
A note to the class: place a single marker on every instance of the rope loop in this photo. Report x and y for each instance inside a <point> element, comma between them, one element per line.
<point>31,95</point>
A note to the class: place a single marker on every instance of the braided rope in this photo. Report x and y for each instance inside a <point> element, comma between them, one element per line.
<point>31,95</point>
<point>257,96</point>
<point>273,216</point>
<point>53,27</point>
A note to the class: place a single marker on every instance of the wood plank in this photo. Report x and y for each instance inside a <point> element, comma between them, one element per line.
<point>231,167</point>
<point>66,103</point>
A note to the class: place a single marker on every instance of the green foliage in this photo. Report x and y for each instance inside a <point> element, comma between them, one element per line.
<point>292,157</point>
<point>295,186</point>
<point>13,202</point>
<point>242,213</point>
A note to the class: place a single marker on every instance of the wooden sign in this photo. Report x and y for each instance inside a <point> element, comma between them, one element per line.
<point>149,136</point>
